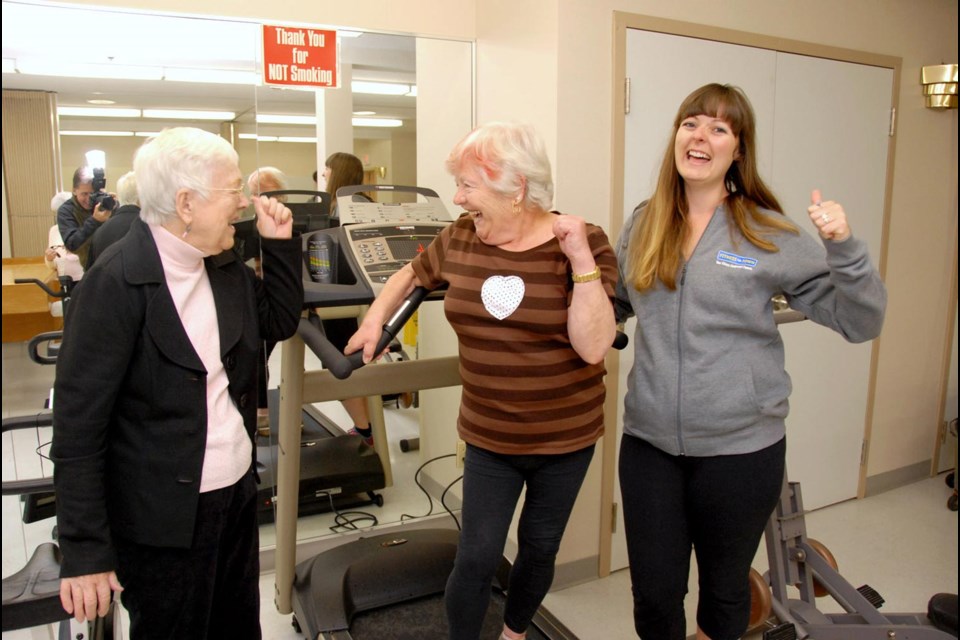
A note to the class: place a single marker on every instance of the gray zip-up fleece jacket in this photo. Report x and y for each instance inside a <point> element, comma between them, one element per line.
<point>708,375</point>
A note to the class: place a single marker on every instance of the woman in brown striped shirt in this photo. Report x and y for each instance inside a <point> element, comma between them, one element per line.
<point>530,297</point>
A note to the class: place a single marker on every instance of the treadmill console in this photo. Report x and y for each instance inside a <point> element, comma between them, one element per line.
<point>380,250</point>
<point>349,264</point>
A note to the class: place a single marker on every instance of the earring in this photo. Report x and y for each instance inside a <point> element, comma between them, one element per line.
<point>516,207</point>
<point>186,231</point>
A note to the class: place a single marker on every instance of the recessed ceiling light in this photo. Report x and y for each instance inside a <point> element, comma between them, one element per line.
<point>364,113</point>
<point>380,88</point>
<point>377,122</point>
<point>98,134</point>
<point>279,118</point>
<point>182,114</point>
<point>101,101</point>
<point>98,112</point>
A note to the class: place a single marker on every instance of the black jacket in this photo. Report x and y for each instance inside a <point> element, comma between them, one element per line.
<point>130,411</point>
<point>112,230</point>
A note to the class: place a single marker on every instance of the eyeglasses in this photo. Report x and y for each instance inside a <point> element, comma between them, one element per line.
<point>236,191</point>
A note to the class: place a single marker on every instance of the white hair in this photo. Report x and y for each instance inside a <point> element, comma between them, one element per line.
<point>127,189</point>
<point>174,159</point>
<point>267,174</point>
<point>507,152</point>
<point>57,201</point>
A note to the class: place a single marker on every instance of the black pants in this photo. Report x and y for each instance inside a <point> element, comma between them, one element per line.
<point>492,483</point>
<point>211,590</point>
<point>719,505</point>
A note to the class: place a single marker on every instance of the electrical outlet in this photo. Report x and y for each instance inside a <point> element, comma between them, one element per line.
<point>461,453</point>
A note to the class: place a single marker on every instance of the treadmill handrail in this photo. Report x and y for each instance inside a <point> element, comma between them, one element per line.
<point>340,365</point>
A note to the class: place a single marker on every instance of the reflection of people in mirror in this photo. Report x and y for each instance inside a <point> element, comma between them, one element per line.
<point>153,433</point>
<point>341,170</point>
<point>265,180</point>
<point>529,296</point>
<point>120,220</point>
<point>345,170</point>
<point>78,218</point>
<point>703,449</point>
<point>57,256</point>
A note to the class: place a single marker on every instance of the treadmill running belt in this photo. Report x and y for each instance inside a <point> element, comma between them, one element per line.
<point>424,619</point>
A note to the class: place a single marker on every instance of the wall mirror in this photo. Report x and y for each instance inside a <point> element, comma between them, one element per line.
<point>115,60</point>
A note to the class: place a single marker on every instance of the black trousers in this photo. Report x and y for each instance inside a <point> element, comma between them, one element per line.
<point>492,484</point>
<point>212,589</point>
<point>719,505</point>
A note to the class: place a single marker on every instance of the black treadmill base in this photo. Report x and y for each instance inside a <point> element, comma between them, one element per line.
<point>425,619</point>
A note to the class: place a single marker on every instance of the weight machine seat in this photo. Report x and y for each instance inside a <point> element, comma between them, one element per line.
<point>942,611</point>
<point>31,596</point>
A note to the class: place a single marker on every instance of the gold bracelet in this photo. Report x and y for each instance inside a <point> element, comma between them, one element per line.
<point>587,277</point>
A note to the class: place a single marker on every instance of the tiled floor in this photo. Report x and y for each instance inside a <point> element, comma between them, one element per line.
<point>903,542</point>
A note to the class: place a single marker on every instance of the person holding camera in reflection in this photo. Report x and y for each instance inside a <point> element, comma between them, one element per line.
<point>155,420</point>
<point>81,216</point>
<point>120,220</point>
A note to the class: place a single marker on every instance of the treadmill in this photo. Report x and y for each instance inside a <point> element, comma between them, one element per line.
<point>337,470</point>
<point>368,587</point>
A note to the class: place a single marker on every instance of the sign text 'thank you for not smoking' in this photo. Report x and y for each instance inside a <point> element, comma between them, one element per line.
<point>297,56</point>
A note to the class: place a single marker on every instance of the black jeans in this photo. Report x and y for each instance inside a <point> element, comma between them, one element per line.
<point>211,590</point>
<point>491,487</point>
<point>719,505</point>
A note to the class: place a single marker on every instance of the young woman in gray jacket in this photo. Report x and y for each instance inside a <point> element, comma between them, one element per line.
<point>702,457</point>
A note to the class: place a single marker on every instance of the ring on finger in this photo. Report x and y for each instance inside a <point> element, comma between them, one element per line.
<point>824,218</point>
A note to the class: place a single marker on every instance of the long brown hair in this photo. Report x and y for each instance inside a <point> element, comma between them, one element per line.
<point>346,170</point>
<point>657,239</point>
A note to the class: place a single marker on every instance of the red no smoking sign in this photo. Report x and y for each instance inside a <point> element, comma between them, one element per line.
<point>300,57</point>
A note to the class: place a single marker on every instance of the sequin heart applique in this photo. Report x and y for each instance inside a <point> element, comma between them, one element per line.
<point>502,295</point>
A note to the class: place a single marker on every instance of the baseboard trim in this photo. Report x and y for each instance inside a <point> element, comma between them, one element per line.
<point>897,478</point>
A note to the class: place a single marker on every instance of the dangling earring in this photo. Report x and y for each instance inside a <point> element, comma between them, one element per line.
<point>186,231</point>
<point>516,207</point>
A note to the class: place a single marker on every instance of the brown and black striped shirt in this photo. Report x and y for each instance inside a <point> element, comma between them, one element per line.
<point>525,389</point>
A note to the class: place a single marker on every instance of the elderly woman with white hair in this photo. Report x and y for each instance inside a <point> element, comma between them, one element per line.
<point>530,298</point>
<point>153,438</point>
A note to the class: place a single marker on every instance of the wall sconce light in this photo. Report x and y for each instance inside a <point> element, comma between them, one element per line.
<point>940,86</point>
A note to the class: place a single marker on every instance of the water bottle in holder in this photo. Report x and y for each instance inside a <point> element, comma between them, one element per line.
<point>318,255</point>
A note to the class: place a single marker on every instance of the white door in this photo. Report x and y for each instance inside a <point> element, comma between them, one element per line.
<point>820,123</point>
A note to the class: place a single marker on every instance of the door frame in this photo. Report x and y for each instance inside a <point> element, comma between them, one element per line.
<point>622,21</point>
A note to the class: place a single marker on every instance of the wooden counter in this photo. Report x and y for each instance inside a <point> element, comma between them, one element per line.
<point>26,310</point>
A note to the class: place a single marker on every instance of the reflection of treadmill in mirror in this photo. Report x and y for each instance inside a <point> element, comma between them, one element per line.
<point>342,267</point>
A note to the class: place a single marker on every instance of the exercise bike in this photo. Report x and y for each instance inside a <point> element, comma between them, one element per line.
<point>802,562</point>
<point>31,596</point>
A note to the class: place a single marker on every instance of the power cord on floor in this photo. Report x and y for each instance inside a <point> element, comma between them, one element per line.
<point>347,520</point>
<point>443,500</point>
<point>416,479</point>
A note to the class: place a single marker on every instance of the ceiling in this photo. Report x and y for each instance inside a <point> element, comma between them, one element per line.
<point>83,35</point>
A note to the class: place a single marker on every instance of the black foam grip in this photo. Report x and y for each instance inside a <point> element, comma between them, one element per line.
<point>620,341</point>
<point>333,361</point>
<point>342,366</point>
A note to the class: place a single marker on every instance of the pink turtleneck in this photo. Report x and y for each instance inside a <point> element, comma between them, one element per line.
<point>229,450</point>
